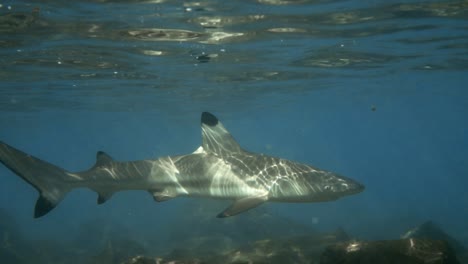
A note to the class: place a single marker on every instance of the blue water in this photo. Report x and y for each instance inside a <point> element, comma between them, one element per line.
<point>376,91</point>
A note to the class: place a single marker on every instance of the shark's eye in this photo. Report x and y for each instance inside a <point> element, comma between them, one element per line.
<point>327,187</point>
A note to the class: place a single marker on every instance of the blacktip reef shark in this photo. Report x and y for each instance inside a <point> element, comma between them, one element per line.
<point>218,169</point>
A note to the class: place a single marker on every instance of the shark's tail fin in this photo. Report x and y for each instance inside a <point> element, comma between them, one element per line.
<point>51,181</point>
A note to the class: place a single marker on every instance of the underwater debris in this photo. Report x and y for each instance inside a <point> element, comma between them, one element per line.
<point>118,251</point>
<point>203,58</point>
<point>10,240</point>
<point>329,248</point>
<point>431,230</point>
<point>403,251</point>
<point>142,260</point>
<point>13,22</point>
<point>299,249</point>
<point>218,237</point>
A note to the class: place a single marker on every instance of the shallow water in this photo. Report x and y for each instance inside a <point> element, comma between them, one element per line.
<point>372,90</point>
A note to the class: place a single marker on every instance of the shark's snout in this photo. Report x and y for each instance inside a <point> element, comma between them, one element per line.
<point>346,186</point>
<point>354,187</point>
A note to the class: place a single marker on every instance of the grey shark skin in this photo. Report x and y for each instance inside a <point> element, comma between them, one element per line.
<point>218,169</point>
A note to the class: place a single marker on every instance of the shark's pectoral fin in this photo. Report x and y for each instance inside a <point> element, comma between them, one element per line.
<point>243,205</point>
<point>103,197</point>
<point>162,196</point>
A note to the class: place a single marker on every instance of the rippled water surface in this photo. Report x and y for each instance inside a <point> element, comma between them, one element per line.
<point>373,90</point>
<point>57,55</point>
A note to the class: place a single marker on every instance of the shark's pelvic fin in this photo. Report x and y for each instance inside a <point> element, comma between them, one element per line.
<point>243,205</point>
<point>162,196</point>
<point>215,138</point>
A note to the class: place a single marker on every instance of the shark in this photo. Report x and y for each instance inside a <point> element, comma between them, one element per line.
<point>219,169</point>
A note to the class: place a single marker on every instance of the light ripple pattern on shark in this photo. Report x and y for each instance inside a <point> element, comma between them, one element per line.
<point>219,169</point>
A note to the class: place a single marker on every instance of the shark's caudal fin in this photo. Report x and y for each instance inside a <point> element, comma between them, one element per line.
<point>51,181</point>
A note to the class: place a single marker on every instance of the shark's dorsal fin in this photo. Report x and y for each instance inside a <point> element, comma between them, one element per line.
<point>215,138</point>
<point>102,159</point>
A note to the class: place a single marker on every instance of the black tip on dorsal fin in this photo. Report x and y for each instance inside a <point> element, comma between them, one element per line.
<point>209,119</point>
<point>102,158</point>
<point>43,206</point>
